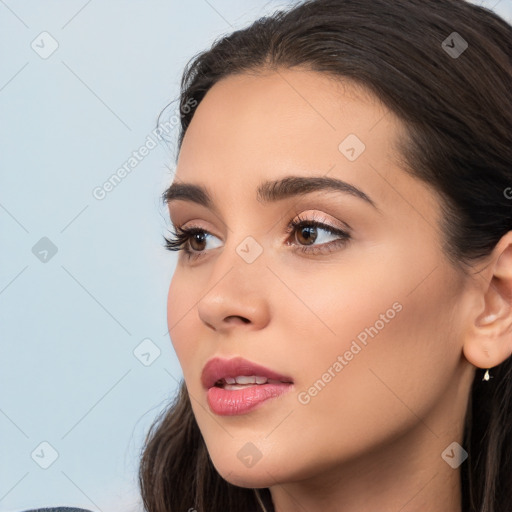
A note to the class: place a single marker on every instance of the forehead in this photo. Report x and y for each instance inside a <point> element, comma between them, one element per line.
<point>284,112</point>
<point>252,128</point>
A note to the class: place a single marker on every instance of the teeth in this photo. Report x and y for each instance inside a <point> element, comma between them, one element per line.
<point>246,379</point>
<point>234,387</point>
<point>250,379</point>
<point>243,381</point>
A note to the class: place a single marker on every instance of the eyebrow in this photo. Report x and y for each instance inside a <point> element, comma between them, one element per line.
<point>268,191</point>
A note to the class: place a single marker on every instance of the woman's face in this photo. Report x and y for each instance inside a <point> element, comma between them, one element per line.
<point>368,329</point>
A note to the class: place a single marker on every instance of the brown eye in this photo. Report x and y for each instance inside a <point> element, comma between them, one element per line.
<point>314,236</point>
<point>191,241</point>
<point>306,235</point>
<point>199,239</point>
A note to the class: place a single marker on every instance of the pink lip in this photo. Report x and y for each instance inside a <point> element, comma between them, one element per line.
<point>226,402</point>
<point>216,369</point>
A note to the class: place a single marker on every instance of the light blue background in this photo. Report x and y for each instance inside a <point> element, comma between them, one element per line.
<point>70,325</point>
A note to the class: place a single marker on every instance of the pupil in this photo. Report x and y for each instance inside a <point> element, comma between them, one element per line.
<point>310,234</point>
<point>198,237</point>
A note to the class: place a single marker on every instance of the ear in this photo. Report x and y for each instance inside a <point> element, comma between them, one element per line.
<point>488,339</point>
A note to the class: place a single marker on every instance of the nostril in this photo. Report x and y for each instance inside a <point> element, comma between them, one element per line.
<point>237,319</point>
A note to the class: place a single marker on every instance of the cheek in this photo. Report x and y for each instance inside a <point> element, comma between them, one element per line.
<point>395,351</point>
<point>374,346</point>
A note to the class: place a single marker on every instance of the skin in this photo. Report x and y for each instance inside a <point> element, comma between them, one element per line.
<point>372,438</point>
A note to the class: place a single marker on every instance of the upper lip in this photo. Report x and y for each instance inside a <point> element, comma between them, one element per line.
<point>216,369</point>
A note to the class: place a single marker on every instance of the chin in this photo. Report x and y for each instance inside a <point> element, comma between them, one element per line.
<point>259,476</point>
<point>249,479</point>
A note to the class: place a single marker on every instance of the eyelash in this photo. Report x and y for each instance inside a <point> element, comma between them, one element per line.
<point>179,239</point>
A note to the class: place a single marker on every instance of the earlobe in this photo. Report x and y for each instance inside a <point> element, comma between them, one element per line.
<point>488,340</point>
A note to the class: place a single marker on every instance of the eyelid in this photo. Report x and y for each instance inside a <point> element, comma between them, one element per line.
<point>322,219</point>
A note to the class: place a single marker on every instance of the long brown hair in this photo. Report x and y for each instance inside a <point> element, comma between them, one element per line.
<point>453,94</point>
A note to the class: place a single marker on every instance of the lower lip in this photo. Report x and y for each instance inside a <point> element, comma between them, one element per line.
<point>240,401</point>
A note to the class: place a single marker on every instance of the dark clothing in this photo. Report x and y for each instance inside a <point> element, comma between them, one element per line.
<point>58,509</point>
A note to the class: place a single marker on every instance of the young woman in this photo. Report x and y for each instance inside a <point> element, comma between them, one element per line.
<point>342,302</point>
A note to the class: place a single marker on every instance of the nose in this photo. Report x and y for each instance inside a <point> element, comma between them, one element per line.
<point>238,299</point>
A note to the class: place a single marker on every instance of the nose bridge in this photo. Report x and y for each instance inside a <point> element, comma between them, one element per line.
<point>243,252</point>
<point>243,262</point>
<point>237,287</point>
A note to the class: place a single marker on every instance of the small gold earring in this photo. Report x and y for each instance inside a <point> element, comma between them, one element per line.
<point>487,376</point>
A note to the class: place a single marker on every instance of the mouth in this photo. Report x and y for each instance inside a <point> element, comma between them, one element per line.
<point>244,381</point>
<point>240,373</point>
<point>236,386</point>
